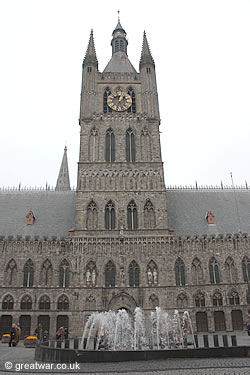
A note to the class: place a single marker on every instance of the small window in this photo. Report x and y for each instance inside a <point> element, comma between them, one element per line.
<point>148,70</point>
<point>89,69</point>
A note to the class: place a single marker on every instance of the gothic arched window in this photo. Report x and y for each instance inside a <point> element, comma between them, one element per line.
<point>132,108</point>
<point>8,302</point>
<point>93,145</point>
<point>64,274</point>
<point>197,274</point>
<point>110,274</point>
<point>63,303</point>
<point>26,303</point>
<point>149,215</point>
<point>46,273</point>
<point>106,108</point>
<point>182,301</point>
<point>11,273</point>
<point>217,299</point>
<point>110,216</point>
<point>214,273</point>
<point>134,274</point>
<point>233,298</point>
<point>130,146</point>
<point>92,215</point>
<point>44,303</point>
<point>110,146</point>
<point>132,216</point>
<point>153,301</point>
<point>199,299</point>
<point>28,274</point>
<point>180,278</point>
<point>230,271</point>
<point>246,269</point>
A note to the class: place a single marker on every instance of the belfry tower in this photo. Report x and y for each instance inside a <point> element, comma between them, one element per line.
<point>120,187</point>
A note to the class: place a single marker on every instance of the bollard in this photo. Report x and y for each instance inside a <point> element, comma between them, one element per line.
<point>196,341</point>
<point>66,344</point>
<point>75,343</point>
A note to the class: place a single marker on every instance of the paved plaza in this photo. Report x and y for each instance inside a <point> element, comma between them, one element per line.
<point>13,360</point>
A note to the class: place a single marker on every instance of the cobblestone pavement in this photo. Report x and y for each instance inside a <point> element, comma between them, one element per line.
<point>12,361</point>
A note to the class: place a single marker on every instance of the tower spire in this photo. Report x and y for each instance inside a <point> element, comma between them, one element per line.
<point>146,56</point>
<point>63,182</point>
<point>90,57</point>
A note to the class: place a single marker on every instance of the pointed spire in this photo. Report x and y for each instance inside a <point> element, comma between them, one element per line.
<point>146,56</point>
<point>63,182</point>
<point>90,56</point>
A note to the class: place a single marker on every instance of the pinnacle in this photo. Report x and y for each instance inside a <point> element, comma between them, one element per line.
<point>63,182</point>
<point>146,56</point>
<point>90,56</point>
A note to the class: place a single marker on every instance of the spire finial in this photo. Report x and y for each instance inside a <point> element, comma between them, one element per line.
<point>118,15</point>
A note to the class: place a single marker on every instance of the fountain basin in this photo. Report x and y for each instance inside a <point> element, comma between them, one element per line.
<point>48,354</point>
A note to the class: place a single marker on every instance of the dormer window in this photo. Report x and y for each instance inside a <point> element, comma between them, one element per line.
<point>30,218</point>
<point>210,217</point>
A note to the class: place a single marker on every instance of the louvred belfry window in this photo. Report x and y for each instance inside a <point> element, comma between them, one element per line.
<point>110,146</point>
<point>132,216</point>
<point>130,146</point>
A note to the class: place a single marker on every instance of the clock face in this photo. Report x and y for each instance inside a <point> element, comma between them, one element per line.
<point>119,101</point>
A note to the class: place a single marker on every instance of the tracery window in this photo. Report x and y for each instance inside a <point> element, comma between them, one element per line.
<point>130,146</point>
<point>199,299</point>
<point>180,278</point>
<point>26,303</point>
<point>110,216</point>
<point>106,108</point>
<point>44,303</point>
<point>28,274</point>
<point>8,302</point>
<point>64,274</point>
<point>182,301</point>
<point>46,273</point>
<point>233,298</point>
<point>11,273</point>
<point>132,108</point>
<point>110,146</point>
<point>214,273</point>
<point>110,274</point>
<point>149,215</point>
<point>217,299</point>
<point>63,303</point>
<point>230,270</point>
<point>153,301</point>
<point>197,274</point>
<point>92,216</point>
<point>246,269</point>
<point>134,274</point>
<point>132,216</point>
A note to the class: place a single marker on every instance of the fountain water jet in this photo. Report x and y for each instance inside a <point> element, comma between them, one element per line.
<point>119,331</point>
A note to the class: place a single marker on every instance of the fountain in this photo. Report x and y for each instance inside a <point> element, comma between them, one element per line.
<point>117,336</point>
<point>120,331</point>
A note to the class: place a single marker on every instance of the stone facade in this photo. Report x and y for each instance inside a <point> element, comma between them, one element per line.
<point>120,251</point>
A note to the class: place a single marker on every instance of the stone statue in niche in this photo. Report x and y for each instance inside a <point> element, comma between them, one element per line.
<point>88,276</point>
<point>150,276</point>
<point>122,276</point>
<point>93,277</point>
<point>155,276</point>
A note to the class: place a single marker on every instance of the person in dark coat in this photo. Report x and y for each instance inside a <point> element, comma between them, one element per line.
<point>13,335</point>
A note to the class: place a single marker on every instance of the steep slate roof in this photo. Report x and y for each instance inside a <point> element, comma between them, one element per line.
<point>54,213</point>
<point>187,211</point>
<point>119,63</point>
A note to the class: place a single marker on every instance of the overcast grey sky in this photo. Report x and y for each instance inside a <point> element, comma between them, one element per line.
<point>202,55</point>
